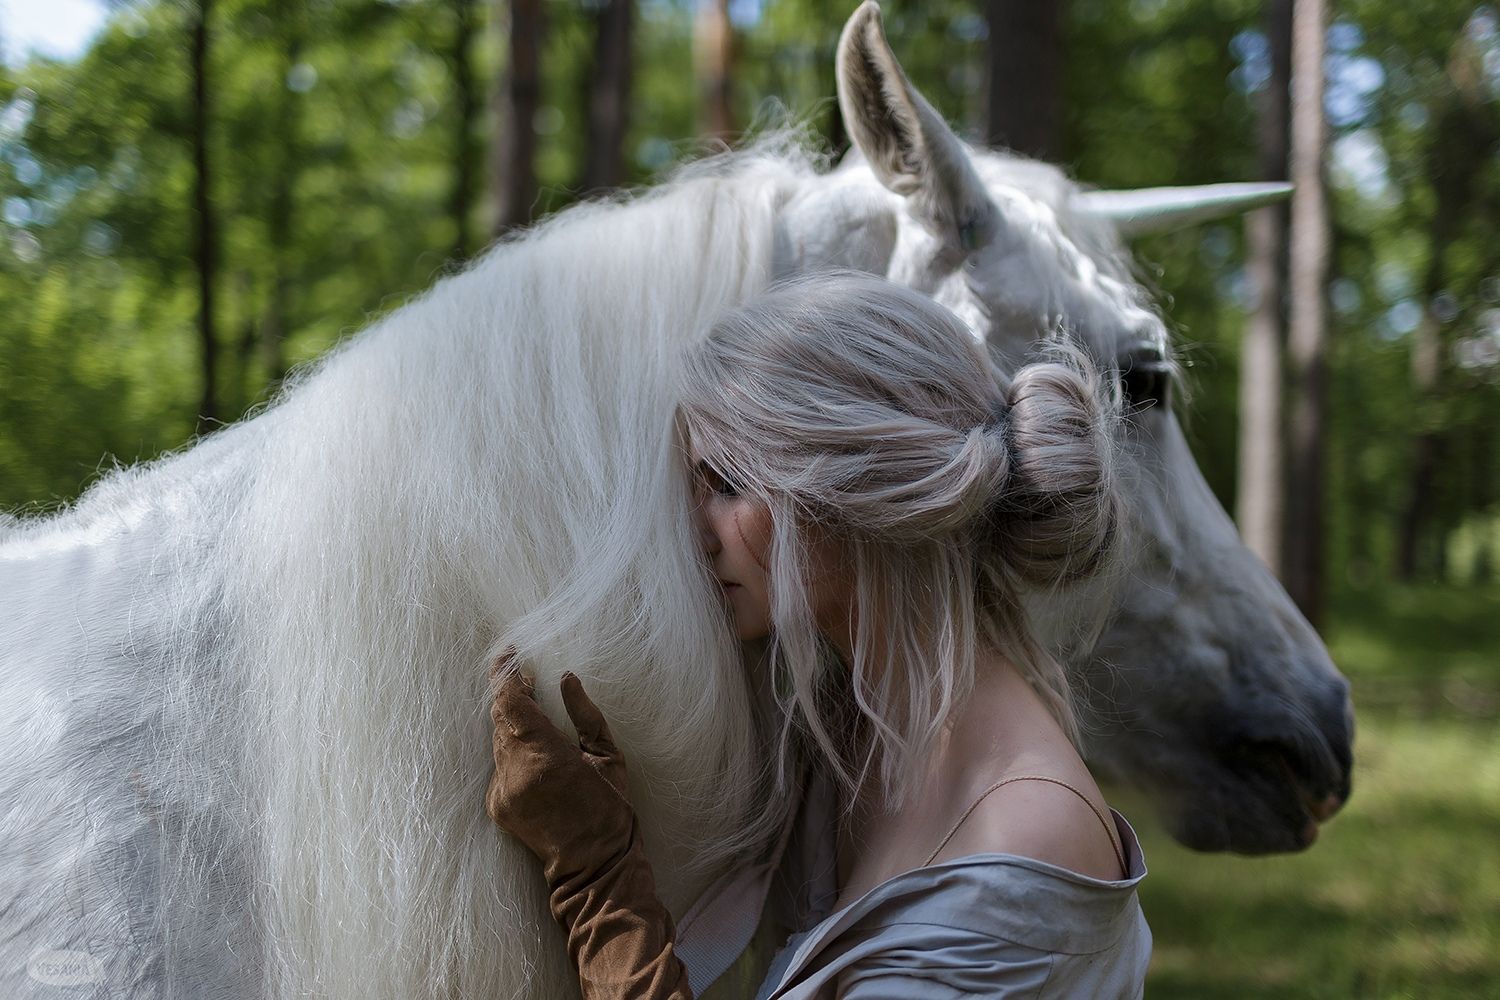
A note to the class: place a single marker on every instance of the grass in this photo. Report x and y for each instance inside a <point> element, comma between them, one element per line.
<point>1401,895</point>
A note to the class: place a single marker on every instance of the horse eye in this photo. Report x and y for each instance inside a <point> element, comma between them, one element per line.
<point>1146,384</point>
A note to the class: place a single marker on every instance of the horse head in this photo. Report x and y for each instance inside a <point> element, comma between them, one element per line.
<point>1206,685</point>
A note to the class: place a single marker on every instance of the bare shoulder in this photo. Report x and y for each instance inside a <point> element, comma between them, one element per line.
<point>1043,821</point>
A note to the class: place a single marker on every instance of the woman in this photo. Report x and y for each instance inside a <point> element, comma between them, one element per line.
<point>874,497</point>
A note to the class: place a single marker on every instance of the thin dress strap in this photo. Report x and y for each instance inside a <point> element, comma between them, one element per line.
<point>1119,855</point>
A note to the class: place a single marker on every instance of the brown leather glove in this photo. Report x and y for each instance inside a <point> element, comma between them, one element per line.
<point>566,802</point>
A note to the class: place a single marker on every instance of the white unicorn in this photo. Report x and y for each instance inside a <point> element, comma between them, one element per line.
<point>243,713</point>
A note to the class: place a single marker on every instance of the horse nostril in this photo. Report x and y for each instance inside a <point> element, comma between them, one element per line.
<point>1307,768</point>
<point>1323,809</point>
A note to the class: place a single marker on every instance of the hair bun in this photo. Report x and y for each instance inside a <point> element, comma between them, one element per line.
<point>1056,515</point>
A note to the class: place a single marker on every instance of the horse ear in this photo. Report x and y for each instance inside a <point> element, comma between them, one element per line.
<point>911,150</point>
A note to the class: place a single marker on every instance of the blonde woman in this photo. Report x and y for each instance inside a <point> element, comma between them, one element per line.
<point>874,497</point>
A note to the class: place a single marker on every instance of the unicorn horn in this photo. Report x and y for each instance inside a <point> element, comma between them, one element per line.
<point>1163,209</point>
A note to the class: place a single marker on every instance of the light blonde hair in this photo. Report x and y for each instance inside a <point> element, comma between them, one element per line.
<point>866,414</point>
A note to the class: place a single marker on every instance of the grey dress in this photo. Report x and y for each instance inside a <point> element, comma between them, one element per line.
<point>985,925</point>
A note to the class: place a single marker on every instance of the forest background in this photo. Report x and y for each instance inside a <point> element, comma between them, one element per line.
<point>211,193</point>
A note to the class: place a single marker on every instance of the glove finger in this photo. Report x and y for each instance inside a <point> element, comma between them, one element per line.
<point>505,661</point>
<point>515,710</point>
<point>506,669</point>
<point>593,732</point>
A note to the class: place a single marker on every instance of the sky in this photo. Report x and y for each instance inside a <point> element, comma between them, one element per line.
<point>61,29</point>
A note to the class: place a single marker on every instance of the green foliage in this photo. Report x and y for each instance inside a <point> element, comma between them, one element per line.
<point>333,147</point>
<point>97,344</point>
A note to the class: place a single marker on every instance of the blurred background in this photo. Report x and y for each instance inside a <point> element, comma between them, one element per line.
<point>195,197</point>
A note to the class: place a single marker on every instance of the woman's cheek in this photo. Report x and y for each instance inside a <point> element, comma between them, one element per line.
<point>751,606</point>
<point>752,523</point>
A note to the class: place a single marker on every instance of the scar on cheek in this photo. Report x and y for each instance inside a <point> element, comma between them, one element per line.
<point>739,528</point>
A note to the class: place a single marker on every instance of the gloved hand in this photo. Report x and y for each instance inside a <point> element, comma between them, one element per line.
<point>566,802</point>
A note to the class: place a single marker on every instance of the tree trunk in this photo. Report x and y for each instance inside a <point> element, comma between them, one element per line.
<point>1462,139</point>
<point>609,96</point>
<point>466,110</point>
<point>1483,497</point>
<point>1304,569</point>
<point>1260,484</point>
<point>1427,442</point>
<point>205,236</point>
<point>713,59</point>
<point>517,98</point>
<point>1024,93</point>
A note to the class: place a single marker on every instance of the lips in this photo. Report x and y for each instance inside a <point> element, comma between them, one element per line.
<point>1292,787</point>
<point>1317,809</point>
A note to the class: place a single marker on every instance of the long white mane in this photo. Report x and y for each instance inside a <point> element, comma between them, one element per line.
<point>290,743</point>
<point>494,464</point>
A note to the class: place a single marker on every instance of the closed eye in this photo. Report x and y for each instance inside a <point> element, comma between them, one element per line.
<point>715,483</point>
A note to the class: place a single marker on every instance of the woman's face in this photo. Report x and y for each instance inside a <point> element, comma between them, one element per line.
<point>735,534</point>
